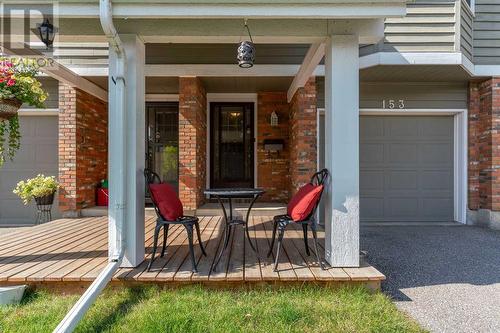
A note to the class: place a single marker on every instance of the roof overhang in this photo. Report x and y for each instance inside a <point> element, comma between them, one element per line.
<point>234,9</point>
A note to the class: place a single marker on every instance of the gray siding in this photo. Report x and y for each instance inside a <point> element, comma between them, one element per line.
<point>417,95</point>
<point>487,32</point>
<point>466,30</point>
<point>429,26</point>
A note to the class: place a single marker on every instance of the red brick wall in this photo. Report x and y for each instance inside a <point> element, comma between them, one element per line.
<point>192,141</point>
<point>273,168</point>
<point>83,147</point>
<point>303,128</point>
<point>484,144</point>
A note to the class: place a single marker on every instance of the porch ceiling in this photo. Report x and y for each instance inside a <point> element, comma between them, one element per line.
<point>170,85</point>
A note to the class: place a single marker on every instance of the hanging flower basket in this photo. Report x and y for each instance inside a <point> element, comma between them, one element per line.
<point>9,108</point>
<point>18,85</point>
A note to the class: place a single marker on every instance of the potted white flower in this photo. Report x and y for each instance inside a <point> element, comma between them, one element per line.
<point>40,188</point>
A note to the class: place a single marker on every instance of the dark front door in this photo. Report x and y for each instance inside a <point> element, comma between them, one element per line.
<point>231,145</point>
<point>162,133</point>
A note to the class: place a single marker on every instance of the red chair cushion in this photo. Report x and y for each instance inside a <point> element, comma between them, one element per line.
<point>167,201</point>
<point>302,203</point>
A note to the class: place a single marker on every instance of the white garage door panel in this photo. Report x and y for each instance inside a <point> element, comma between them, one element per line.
<point>406,168</point>
<point>38,154</point>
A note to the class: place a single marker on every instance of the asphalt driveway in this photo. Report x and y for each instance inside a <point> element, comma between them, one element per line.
<point>446,277</point>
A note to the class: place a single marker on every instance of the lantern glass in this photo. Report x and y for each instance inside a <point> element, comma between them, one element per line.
<point>47,32</point>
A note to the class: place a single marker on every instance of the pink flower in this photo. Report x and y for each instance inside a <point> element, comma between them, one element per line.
<point>11,82</point>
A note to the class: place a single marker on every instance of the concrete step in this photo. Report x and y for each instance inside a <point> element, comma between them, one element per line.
<point>209,209</point>
<point>239,209</point>
<point>98,211</point>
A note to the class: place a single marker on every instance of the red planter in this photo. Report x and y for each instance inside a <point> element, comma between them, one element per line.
<point>102,197</point>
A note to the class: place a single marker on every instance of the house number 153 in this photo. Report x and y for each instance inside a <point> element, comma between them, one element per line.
<point>393,104</point>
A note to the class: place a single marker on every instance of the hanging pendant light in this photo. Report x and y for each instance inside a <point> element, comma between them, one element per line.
<point>246,51</point>
<point>47,32</point>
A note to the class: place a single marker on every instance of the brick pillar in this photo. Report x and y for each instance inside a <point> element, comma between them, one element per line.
<point>273,167</point>
<point>303,128</point>
<point>83,148</point>
<point>484,145</point>
<point>192,141</point>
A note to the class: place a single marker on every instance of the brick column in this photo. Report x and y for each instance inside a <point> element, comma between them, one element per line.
<point>303,128</point>
<point>192,141</point>
<point>484,150</point>
<point>273,167</point>
<point>83,148</point>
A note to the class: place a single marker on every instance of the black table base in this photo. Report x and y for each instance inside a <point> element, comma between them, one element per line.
<point>230,222</point>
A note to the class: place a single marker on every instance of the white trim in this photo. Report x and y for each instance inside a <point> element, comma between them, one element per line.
<point>367,61</point>
<point>38,112</point>
<point>162,97</point>
<point>487,70</point>
<point>311,60</point>
<point>459,151</point>
<point>230,10</point>
<point>230,97</point>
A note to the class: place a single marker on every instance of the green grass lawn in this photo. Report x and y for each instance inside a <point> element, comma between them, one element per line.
<point>197,309</point>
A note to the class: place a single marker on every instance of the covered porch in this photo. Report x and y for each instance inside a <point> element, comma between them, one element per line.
<point>330,35</point>
<point>70,253</point>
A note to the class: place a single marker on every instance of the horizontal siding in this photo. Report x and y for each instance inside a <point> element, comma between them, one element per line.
<point>416,95</point>
<point>487,32</point>
<point>429,26</point>
<point>51,86</point>
<point>466,30</point>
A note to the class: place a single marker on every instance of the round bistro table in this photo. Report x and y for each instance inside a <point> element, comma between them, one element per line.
<point>229,194</point>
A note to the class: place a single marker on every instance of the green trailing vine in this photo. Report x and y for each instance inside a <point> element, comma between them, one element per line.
<point>9,133</point>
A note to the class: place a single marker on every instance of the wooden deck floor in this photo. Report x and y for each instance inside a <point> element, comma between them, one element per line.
<point>75,250</point>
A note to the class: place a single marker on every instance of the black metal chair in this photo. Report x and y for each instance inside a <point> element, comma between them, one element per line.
<point>280,222</point>
<point>187,221</point>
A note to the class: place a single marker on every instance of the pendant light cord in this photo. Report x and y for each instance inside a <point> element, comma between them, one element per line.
<point>248,30</point>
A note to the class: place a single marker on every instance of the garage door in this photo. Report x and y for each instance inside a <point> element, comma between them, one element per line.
<point>406,168</point>
<point>38,154</point>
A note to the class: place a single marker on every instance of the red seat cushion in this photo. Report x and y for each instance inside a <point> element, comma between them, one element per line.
<point>167,201</point>
<point>302,203</point>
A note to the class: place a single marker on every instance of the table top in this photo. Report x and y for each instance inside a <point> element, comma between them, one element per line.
<point>234,192</point>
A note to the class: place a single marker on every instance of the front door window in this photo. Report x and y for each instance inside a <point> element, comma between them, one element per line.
<point>231,145</point>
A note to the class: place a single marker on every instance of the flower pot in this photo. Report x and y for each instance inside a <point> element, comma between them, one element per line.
<point>9,108</point>
<point>45,200</point>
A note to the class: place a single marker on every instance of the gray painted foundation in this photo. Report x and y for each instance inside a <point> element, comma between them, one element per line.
<point>484,218</point>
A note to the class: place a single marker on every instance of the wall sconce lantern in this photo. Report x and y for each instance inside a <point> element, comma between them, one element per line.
<point>246,51</point>
<point>274,119</point>
<point>47,32</point>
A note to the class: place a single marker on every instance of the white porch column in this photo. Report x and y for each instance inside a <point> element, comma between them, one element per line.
<point>133,143</point>
<point>342,150</point>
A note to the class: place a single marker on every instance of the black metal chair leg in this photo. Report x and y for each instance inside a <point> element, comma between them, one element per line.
<point>189,230</point>
<point>306,244</point>
<point>198,233</point>
<point>155,245</point>
<point>275,226</point>
<point>165,235</point>
<point>281,233</point>
<point>315,236</point>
